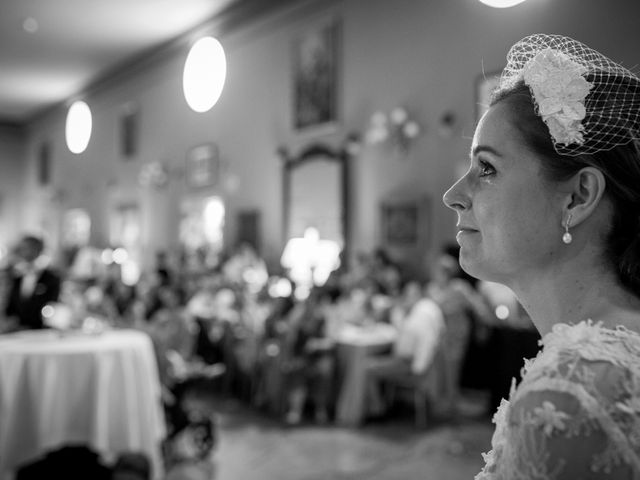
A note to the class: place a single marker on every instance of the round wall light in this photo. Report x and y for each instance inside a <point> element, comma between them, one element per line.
<point>78,127</point>
<point>501,3</point>
<point>204,74</point>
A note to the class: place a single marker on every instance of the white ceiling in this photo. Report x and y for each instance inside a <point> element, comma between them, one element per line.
<point>79,42</point>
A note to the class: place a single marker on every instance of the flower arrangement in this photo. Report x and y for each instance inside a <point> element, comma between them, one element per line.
<point>397,128</point>
<point>559,89</point>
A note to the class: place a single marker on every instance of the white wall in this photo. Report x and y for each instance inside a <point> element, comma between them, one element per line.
<point>424,55</point>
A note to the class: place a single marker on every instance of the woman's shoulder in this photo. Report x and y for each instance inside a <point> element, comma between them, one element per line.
<point>579,399</point>
<point>596,366</point>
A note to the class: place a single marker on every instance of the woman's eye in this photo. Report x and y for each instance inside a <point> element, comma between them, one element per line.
<point>486,168</point>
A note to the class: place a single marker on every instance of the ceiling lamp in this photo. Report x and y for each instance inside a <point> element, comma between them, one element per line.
<point>78,127</point>
<point>205,71</point>
<point>501,3</point>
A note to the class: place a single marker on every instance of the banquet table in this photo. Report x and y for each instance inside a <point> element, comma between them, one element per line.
<point>98,390</point>
<point>354,345</point>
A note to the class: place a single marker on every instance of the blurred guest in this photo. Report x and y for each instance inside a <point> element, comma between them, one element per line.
<point>245,266</point>
<point>461,306</point>
<point>309,362</point>
<point>33,284</point>
<point>191,430</point>
<point>420,333</point>
<point>173,335</point>
<point>385,272</point>
<point>163,269</point>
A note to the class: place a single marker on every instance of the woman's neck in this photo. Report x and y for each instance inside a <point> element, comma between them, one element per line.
<point>571,295</point>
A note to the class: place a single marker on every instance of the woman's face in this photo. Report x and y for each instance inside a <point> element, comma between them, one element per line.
<point>509,217</point>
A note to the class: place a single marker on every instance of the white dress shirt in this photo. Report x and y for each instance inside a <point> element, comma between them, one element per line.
<point>420,334</point>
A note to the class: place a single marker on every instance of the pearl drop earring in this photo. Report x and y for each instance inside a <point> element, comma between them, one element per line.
<point>567,238</point>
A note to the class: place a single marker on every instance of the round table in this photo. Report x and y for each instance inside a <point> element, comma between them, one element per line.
<point>354,345</point>
<point>99,390</point>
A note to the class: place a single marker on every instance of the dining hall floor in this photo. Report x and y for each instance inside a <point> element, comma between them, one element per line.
<point>253,445</point>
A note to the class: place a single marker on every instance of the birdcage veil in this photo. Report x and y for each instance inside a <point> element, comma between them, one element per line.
<point>588,102</point>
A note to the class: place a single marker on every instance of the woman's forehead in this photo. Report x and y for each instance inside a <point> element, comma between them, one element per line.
<point>498,135</point>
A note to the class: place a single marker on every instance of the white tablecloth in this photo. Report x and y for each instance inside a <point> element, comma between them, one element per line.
<point>99,390</point>
<point>355,344</point>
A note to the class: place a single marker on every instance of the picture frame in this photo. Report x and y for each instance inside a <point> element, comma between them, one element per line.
<point>44,163</point>
<point>316,77</point>
<point>248,228</point>
<point>486,83</point>
<point>405,222</point>
<point>400,223</point>
<point>129,124</point>
<point>202,165</point>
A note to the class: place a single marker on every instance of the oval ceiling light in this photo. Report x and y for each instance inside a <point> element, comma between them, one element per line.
<point>501,3</point>
<point>204,74</point>
<point>78,127</point>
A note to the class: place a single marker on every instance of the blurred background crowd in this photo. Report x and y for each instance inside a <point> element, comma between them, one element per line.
<point>337,352</point>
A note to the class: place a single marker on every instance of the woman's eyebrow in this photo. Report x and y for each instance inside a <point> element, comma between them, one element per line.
<point>484,148</point>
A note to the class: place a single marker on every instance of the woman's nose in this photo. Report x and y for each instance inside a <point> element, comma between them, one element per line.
<point>455,198</point>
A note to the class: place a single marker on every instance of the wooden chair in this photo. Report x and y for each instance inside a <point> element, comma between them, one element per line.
<point>427,389</point>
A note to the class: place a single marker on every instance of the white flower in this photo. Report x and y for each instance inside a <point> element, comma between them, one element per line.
<point>549,418</point>
<point>559,89</point>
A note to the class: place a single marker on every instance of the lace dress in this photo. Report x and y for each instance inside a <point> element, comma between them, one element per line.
<point>576,413</point>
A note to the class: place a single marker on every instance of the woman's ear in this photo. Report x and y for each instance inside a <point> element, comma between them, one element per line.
<point>586,190</point>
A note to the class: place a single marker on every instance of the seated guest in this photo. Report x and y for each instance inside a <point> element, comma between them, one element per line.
<point>32,285</point>
<point>461,306</point>
<point>420,332</point>
<point>186,380</point>
<point>203,308</point>
<point>309,359</point>
<point>385,272</point>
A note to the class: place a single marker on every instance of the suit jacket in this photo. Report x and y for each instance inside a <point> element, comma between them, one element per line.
<point>28,310</point>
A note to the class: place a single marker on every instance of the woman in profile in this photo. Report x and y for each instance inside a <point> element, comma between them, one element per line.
<point>550,207</point>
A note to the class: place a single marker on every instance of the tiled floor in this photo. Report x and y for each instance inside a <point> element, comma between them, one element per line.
<point>254,446</point>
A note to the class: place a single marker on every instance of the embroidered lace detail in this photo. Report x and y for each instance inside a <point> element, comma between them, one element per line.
<point>576,413</point>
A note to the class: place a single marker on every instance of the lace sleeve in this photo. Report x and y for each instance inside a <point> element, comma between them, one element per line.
<point>553,435</point>
<point>576,412</point>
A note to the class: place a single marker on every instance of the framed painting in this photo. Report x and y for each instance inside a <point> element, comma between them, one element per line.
<point>405,222</point>
<point>400,224</point>
<point>203,163</point>
<point>315,77</point>
<point>44,163</point>
<point>249,228</point>
<point>129,128</point>
<point>485,85</point>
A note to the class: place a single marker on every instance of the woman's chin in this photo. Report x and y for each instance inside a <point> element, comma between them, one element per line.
<point>473,267</point>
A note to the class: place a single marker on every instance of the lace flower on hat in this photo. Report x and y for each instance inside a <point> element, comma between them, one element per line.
<point>559,89</point>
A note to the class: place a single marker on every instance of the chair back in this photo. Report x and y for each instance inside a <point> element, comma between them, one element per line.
<point>436,381</point>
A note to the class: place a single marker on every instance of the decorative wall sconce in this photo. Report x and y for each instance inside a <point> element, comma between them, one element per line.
<point>153,175</point>
<point>396,128</point>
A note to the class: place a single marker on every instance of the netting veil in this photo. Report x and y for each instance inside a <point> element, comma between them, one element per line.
<point>609,114</point>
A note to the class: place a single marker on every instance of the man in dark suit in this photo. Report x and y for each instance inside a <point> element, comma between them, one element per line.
<point>32,285</point>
